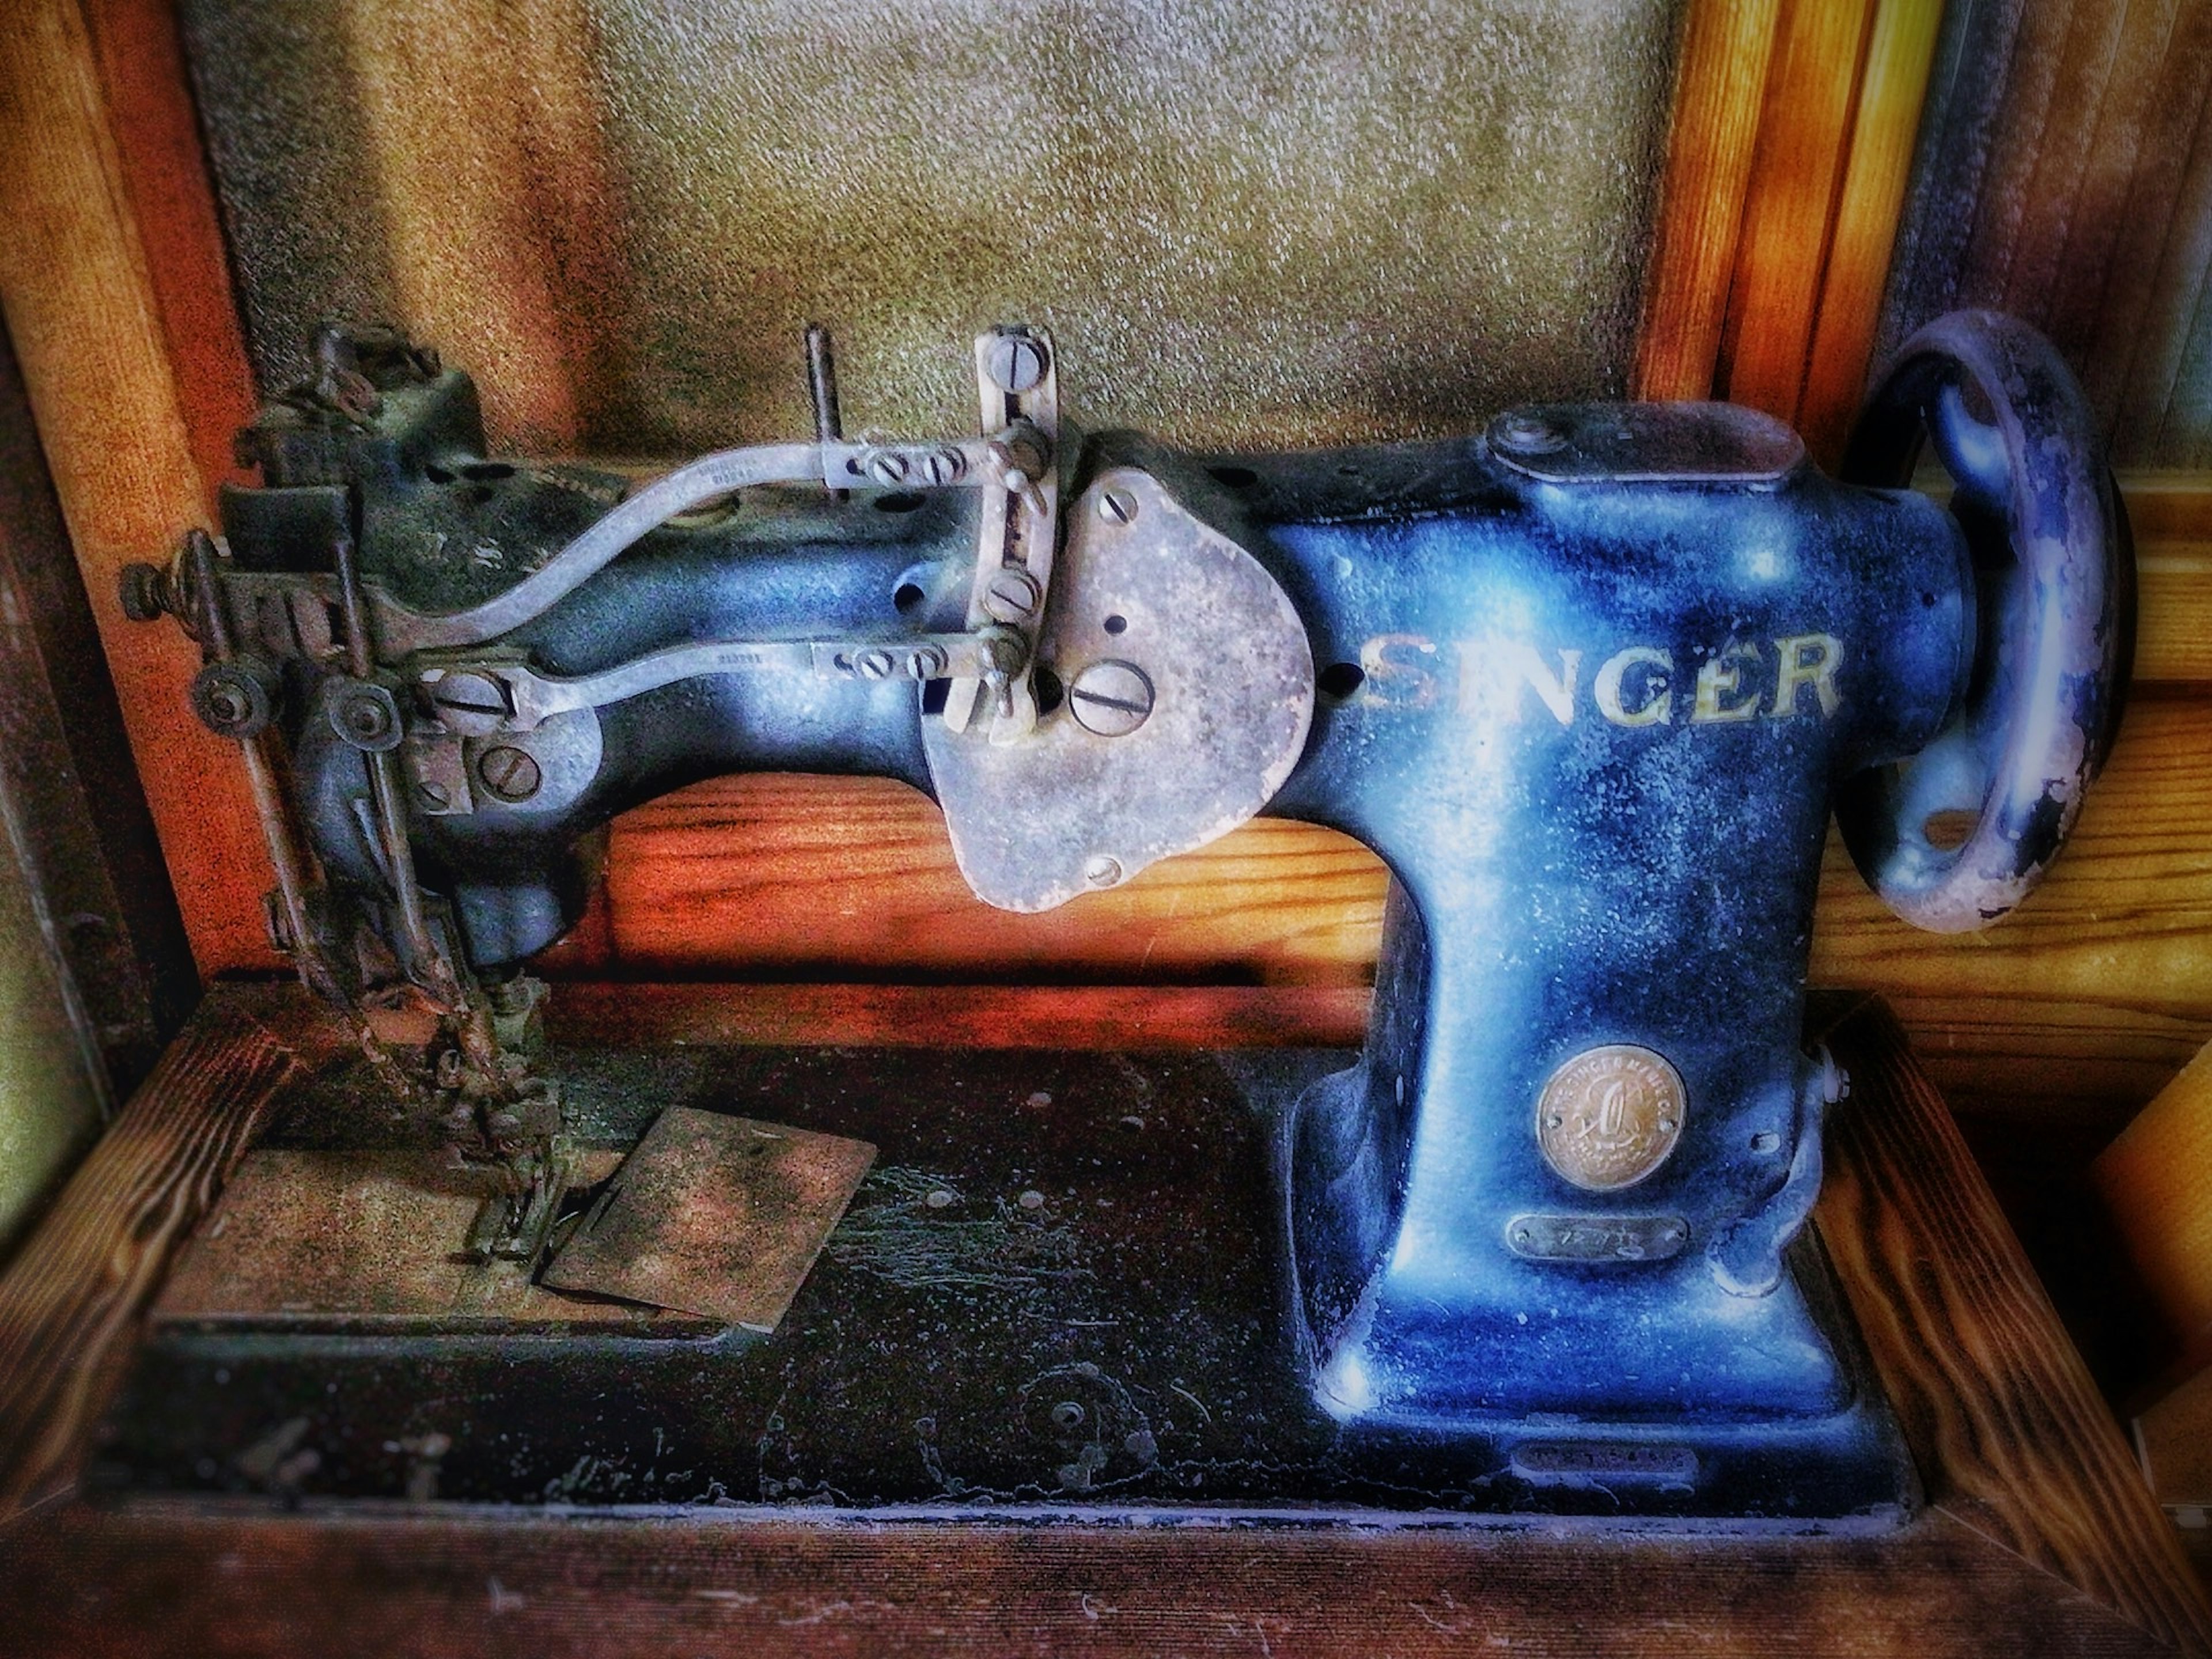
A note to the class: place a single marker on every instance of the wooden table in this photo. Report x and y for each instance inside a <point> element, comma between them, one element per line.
<point>2041,1537</point>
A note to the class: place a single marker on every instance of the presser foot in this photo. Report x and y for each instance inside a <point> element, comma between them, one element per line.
<point>514,1224</point>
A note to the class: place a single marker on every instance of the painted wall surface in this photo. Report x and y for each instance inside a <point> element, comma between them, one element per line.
<point>1273,223</point>
<point>50,1110</point>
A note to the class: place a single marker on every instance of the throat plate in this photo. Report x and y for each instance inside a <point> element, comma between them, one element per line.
<point>1198,682</point>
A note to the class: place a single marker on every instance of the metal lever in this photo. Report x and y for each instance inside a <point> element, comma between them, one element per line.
<point>1019,389</point>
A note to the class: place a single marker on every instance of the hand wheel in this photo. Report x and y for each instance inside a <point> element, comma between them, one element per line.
<point>2055,626</point>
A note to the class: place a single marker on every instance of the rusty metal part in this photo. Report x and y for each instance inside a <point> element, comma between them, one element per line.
<point>289,858</point>
<point>305,1240</point>
<point>1228,696</point>
<point>714,1215</point>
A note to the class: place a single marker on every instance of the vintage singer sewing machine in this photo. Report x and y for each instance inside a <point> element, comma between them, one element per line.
<point>1589,682</point>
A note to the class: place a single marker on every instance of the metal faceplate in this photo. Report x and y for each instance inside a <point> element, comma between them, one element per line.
<point>1190,690</point>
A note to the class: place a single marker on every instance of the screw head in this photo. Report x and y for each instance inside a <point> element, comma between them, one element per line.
<point>940,467</point>
<point>1015,362</point>
<point>1117,507</point>
<point>469,701</point>
<point>888,467</point>
<point>1102,872</point>
<point>1526,433</point>
<point>874,664</point>
<point>1011,595</point>
<point>1111,698</point>
<point>927,663</point>
<point>512,775</point>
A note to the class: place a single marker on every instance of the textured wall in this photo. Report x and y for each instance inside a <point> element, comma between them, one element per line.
<point>2065,175</point>
<point>1285,221</point>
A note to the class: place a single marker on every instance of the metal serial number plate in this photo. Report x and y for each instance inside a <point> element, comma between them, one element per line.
<point>1596,1238</point>
<point>1573,1463</point>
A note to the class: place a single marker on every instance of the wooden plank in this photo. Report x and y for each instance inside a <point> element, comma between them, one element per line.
<point>1900,52</point>
<point>763,875</point>
<point>2153,1180</point>
<point>2174,1438</point>
<point>88,322</point>
<point>2177,288</point>
<point>70,1298</point>
<point>2155,206</point>
<point>780,877</point>
<point>2081,55</point>
<point>1804,139</point>
<point>2125,915</point>
<point>964,1015</point>
<point>2130,166</point>
<point>2167,507</point>
<point>2048,1061</point>
<point>1720,88</point>
<point>165,1580</point>
<point>2010,1431</point>
<point>171,202</point>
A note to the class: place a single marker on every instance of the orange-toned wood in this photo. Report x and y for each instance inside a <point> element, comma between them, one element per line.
<point>2156,1184</point>
<point>157,144</point>
<point>2043,1062</point>
<point>846,878</point>
<point>2125,916</point>
<point>1804,142</point>
<point>963,1016</point>
<point>93,329</point>
<point>1720,90</point>
<point>2040,1539</point>
<point>1949,1305</point>
<point>769,876</point>
<point>2175,1439</point>
<point>1892,87</point>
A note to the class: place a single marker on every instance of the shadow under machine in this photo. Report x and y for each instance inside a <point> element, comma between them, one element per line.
<point>1589,682</point>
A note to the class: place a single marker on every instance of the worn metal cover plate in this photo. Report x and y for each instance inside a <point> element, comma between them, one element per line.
<point>363,1240</point>
<point>1646,443</point>
<point>1146,593</point>
<point>714,1215</point>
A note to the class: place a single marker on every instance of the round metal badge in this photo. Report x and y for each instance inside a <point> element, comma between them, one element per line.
<point>1609,1116</point>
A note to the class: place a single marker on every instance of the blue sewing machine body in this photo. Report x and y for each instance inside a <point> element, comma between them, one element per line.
<point>1591,684</point>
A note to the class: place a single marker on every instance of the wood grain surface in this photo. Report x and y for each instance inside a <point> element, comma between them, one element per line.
<point>2066,178</point>
<point>2041,1541</point>
<point>2155,1181</point>
<point>1804,149</point>
<point>125,372</point>
<point>1900,50</point>
<point>72,1296</point>
<point>154,1581</point>
<point>1720,90</point>
<point>2010,1434</point>
<point>963,1016</point>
